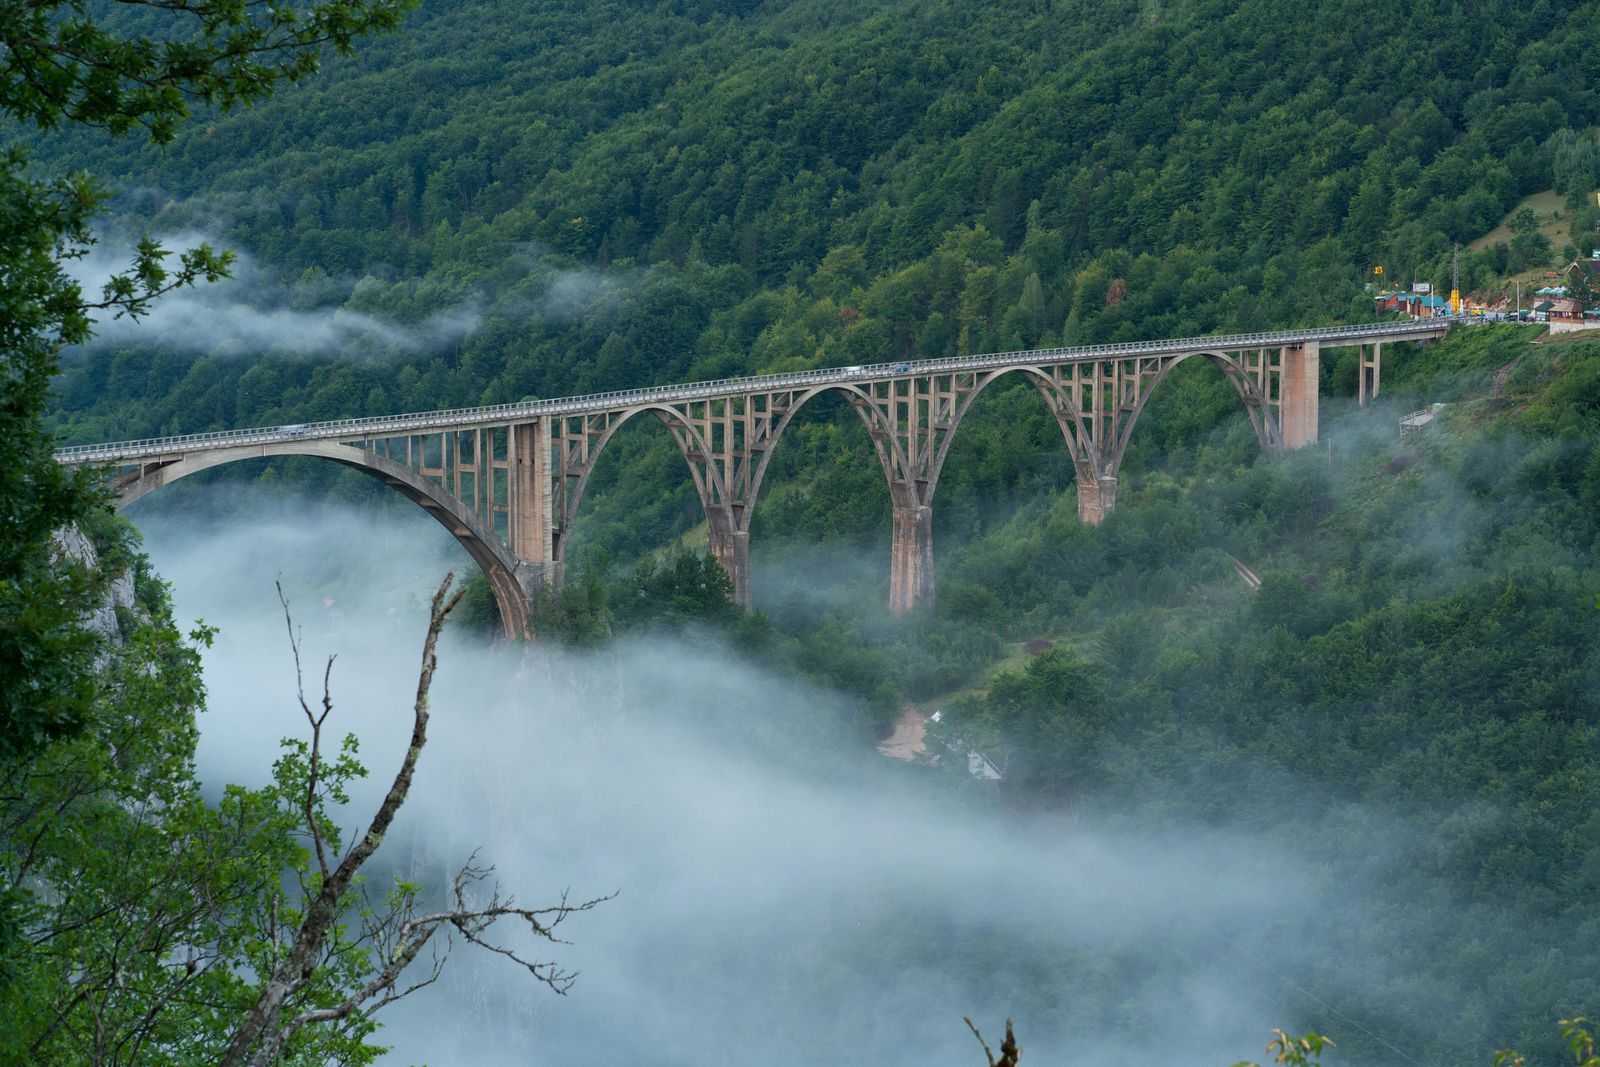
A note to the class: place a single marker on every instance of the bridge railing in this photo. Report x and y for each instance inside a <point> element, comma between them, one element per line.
<point>378,427</point>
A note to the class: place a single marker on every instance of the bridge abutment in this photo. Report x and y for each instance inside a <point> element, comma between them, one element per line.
<point>911,559</point>
<point>535,579</point>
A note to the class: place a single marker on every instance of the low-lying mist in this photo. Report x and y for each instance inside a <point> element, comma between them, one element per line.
<point>786,894</point>
<point>256,310</point>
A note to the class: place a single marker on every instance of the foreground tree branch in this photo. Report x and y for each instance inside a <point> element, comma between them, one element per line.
<point>316,720</point>
<point>393,938</point>
<point>1010,1051</point>
<point>412,933</point>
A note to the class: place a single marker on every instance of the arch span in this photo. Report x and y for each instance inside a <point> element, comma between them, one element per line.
<point>1257,403</point>
<point>1097,437</point>
<point>902,453</point>
<point>1057,399</point>
<point>708,480</point>
<point>504,574</point>
<point>728,541</point>
<point>891,454</point>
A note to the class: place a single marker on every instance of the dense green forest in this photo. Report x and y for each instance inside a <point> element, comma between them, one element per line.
<point>621,194</point>
<point>1423,644</point>
<point>514,200</point>
<point>544,199</point>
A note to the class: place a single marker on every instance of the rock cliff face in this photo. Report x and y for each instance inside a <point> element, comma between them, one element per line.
<point>118,607</point>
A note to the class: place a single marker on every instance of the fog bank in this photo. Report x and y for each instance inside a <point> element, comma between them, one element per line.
<point>256,310</point>
<point>785,897</point>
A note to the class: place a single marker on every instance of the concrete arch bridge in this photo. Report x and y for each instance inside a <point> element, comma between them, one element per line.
<point>507,479</point>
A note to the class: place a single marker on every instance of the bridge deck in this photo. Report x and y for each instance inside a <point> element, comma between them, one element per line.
<point>501,414</point>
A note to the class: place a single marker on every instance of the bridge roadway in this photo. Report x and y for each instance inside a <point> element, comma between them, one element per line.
<point>506,478</point>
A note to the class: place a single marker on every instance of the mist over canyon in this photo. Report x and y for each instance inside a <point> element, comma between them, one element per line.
<point>786,895</point>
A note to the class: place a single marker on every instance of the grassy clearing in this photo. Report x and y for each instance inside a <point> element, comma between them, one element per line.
<point>1554,221</point>
<point>1569,337</point>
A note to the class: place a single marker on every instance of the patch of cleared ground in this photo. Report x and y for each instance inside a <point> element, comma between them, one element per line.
<point>1554,219</point>
<point>906,740</point>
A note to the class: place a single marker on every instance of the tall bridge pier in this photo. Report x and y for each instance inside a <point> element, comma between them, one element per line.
<point>507,480</point>
<point>1300,370</point>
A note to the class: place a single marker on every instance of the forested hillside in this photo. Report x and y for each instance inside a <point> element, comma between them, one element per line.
<point>538,198</point>
<point>510,200</point>
<point>1416,676</point>
<point>615,194</point>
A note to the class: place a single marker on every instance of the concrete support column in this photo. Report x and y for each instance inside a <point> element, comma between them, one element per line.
<point>531,523</point>
<point>1097,495</point>
<point>1297,412</point>
<point>911,559</point>
<point>1367,390</point>
<point>731,548</point>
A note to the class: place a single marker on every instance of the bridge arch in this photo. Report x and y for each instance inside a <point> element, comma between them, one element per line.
<point>708,480</point>
<point>911,558</point>
<point>1060,403</point>
<point>1098,463</point>
<point>891,456</point>
<point>499,567</point>
<point>1256,403</point>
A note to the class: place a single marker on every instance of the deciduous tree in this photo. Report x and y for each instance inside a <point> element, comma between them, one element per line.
<point>70,64</point>
<point>314,973</point>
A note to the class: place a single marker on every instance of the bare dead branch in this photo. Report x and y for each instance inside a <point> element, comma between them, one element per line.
<point>260,1034</point>
<point>416,933</point>
<point>310,807</point>
<point>988,1055</point>
<point>1010,1051</point>
<point>472,924</point>
<point>397,937</point>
